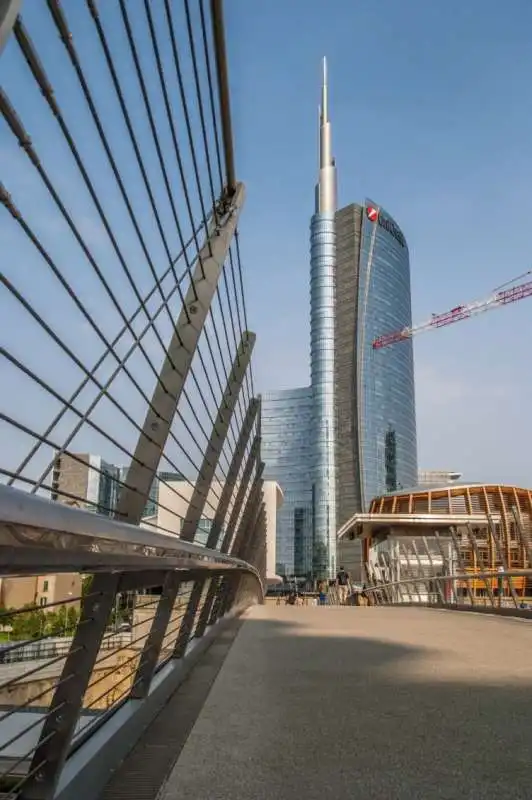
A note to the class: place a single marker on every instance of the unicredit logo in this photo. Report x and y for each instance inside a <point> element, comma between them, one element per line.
<point>373,215</point>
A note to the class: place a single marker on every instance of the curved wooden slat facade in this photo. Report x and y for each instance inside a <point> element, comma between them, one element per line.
<point>506,543</point>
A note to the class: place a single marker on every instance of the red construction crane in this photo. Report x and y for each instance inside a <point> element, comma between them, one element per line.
<point>498,298</point>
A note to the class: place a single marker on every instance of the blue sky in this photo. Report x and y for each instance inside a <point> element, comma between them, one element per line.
<point>432,117</point>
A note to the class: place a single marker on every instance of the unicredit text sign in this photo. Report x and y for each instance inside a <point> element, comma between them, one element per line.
<point>374,215</point>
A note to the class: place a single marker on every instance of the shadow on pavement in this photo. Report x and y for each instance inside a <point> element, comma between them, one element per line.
<point>405,704</point>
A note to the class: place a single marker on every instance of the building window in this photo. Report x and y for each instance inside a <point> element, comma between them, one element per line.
<point>390,460</point>
<point>43,601</point>
<point>45,586</point>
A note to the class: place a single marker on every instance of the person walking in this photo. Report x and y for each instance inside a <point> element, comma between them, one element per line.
<point>342,585</point>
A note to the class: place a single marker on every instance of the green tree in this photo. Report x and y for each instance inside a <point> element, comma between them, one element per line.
<point>86,583</point>
<point>72,620</point>
<point>62,622</point>
<point>6,616</point>
<point>28,624</point>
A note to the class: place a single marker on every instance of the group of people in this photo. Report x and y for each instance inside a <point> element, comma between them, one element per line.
<point>345,593</point>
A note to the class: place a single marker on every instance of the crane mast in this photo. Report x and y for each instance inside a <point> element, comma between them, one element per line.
<point>495,300</point>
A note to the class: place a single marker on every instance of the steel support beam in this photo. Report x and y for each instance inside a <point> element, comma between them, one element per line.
<point>461,564</point>
<point>504,561</point>
<point>223,506</point>
<point>254,535</point>
<point>9,11</point>
<point>206,475</point>
<point>221,594</point>
<point>154,641</point>
<point>253,458</point>
<point>218,32</point>
<point>250,513</point>
<point>216,442</point>
<point>232,474</point>
<point>208,605</point>
<point>474,546</point>
<point>248,530</point>
<point>67,702</point>
<point>176,366</point>
<point>433,568</point>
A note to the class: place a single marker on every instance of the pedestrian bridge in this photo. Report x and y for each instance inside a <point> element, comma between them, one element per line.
<point>380,702</point>
<point>139,657</point>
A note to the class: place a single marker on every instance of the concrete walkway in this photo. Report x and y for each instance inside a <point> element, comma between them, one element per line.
<point>384,703</point>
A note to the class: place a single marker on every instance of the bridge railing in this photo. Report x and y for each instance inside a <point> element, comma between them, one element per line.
<point>132,519</point>
<point>482,590</point>
<point>105,657</point>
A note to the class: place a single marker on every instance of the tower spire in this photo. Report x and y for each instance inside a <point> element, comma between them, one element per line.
<point>326,188</point>
<point>324,98</point>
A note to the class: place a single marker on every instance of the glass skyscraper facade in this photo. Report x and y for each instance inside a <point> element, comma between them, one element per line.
<point>352,435</point>
<point>385,380</point>
<point>287,450</point>
<point>375,401</point>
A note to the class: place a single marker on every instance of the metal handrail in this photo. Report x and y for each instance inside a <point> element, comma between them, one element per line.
<point>67,538</point>
<point>458,576</point>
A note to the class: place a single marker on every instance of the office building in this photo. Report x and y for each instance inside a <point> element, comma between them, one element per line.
<point>437,477</point>
<point>287,451</point>
<point>175,498</point>
<point>375,402</point>
<point>85,480</point>
<point>362,430</point>
<point>322,348</point>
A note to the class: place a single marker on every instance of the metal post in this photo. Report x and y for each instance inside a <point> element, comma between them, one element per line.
<point>176,366</point>
<point>219,432</point>
<point>67,702</point>
<point>250,513</point>
<point>206,610</point>
<point>223,89</point>
<point>525,542</point>
<point>503,559</point>
<point>474,545</point>
<point>248,531</point>
<point>433,568</point>
<point>232,474</point>
<point>446,565</point>
<point>252,460</point>
<point>255,536</point>
<point>461,564</point>
<point>218,602</point>
<point>523,538</point>
<point>420,566</point>
<point>154,641</point>
<point>403,549</point>
<point>386,592</point>
<point>9,11</point>
<point>206,476</point>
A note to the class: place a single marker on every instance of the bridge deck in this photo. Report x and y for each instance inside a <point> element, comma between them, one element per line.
<point>365,703</point>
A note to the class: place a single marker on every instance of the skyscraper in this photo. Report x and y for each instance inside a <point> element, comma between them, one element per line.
<point>287,450</point>
<point>351,436</point>
<point>322,344</point>
<point>374,389</point>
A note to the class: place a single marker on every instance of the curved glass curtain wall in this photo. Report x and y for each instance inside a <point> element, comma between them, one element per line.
<point>385,385</point>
